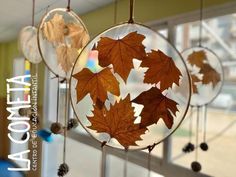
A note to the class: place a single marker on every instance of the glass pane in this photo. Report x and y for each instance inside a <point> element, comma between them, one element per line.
<point>83,160</point>
<point>117,167</point>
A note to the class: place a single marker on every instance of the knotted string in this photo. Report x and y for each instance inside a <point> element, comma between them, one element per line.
<point>68,6</point>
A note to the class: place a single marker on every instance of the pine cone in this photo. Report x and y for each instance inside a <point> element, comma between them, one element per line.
<point>188,148</point>
<point>204,146</point>
<point>196,166</point>
<point>73,123</point>
<point>56,128</point>
<point>24,112</point>
<point>63,170</point>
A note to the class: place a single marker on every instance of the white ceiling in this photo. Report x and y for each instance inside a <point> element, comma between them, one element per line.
<point>15,14</point>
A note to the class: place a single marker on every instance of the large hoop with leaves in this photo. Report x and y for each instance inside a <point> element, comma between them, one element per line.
<point>125,87</point>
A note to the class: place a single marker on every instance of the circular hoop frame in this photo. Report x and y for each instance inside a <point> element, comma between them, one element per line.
<point>74,15</point>
<point>221,66</point>
<point>189,90</point>
<point>23,30</point>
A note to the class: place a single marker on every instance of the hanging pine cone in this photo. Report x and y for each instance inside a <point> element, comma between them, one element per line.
<point>196,166</point>
<point>56,128</point>
<point>63,170</point>
<point>73,123</point>
<point>24,112</point>
<point>188,148</point>
<point>204,146</point>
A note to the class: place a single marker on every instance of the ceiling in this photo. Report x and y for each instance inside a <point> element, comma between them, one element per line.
<point>15,14</point>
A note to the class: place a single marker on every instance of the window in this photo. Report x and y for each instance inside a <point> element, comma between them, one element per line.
<point>218,35</point>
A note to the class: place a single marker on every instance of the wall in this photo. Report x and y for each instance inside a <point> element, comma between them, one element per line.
<point>145,11</point>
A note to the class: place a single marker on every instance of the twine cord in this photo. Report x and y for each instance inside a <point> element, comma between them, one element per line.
<point>197,130</point>
<point>131,17</point>
<point>200,25</point>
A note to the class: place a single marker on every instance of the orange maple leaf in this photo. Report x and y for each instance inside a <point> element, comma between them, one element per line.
<point>97,84</point>
<point>156,106</point>
<point>197,58</point>
<point>78,35</point>
<point>195,80</point>
<point>120,53</point>
<point>66,56</point>
<point>210,75</point>
<point>118,122</point>
<point>53,30</point>
<point>161,68</point>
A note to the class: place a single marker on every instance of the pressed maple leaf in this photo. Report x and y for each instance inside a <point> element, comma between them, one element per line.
<point>53,30</point>
<point>210,75</point>
<point>66,56</point>
<point>97,84</point>
<point>195,80</point>
<point>156,106</point>
<point>118,122</point>
<point>197,58</point>
<point>161,68</point>
<point>121,52</point>
<point>78,35</point>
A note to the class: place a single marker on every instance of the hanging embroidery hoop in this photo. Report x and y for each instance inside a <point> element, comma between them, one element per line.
<point>28,41</point>
<point>85,107</point>
<point>48,49</point>
<point>206,93</point>
<point>205,67</point>
<point>28,44</point>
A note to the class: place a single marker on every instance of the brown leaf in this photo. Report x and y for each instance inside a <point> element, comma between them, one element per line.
<point>156,106</point>
<point>161,68</point>
<point>79,36</point>
<point>210,75</point>
<point>66,56</point>
<point>195,80</point>
<point>97,84</point>
<point>197,58</point>
<point>53,30</point>
<point>120,53</point>
<point>118,122</point>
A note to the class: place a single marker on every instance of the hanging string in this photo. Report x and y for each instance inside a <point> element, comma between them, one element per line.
<point>150,148</point>
<point>65,122</point>
<point>68,6</point>
<point>103,161</point>
<point>126,163</point>
<point>58,98</point>
<point>47,8</point>
<point>197,130</point>
<point>33,12</point>
<point>200,25</point>
<point>131,17</point>
<point>115,11</point>
<point>205,123</point>
<point>191,124</point>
